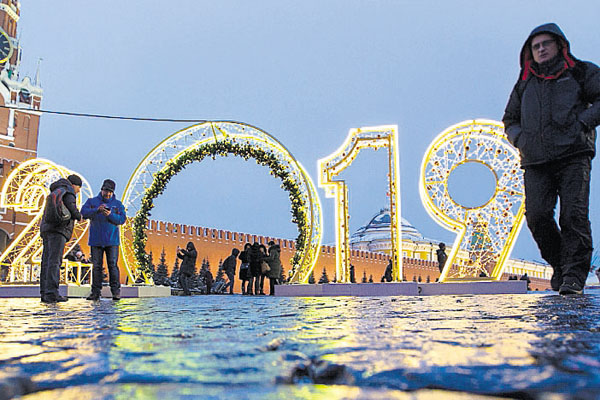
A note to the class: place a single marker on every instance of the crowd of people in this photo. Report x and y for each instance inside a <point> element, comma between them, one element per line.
<point>257,262</point>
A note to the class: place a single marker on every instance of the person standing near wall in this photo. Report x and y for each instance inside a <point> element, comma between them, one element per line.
<point>275,264</point>
<point>245,267</point>
<point>441,256</point>
<point>188,266</point>
<point>55,235</point>
<point>106,213</point>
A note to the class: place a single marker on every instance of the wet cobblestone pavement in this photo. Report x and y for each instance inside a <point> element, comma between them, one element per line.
<point>522,346</point>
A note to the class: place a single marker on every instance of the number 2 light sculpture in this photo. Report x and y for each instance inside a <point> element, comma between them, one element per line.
<point>487,233</point>
<point>332,165</point>
<point>25,190</point>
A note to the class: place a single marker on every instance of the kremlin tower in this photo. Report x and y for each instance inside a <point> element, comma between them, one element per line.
<point>20,100</point>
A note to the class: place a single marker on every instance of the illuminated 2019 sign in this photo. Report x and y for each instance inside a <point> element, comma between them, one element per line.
<point>487,233</point>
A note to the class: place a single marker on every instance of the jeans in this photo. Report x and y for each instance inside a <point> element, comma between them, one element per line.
<point>230,283</point>
<point>112,255</point>
<point>52,254</point>
<point>567,248</point>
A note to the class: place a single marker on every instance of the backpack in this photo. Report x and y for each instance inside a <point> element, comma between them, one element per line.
<point>56,212</point>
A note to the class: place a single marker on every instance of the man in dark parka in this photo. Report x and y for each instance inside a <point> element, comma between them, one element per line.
<point>188,266</point>
<point>55,236</point>
<point>551,118</point>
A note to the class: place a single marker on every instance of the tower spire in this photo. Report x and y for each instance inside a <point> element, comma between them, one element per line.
<point>37,73</point>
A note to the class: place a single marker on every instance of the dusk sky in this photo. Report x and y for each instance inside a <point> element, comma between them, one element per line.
<point>305,72</point>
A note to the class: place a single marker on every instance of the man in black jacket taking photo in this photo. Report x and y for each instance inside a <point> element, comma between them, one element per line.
<point>55,234</point>
<point>551,118</point>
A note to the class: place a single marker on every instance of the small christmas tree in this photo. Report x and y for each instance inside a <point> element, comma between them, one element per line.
<point>175,272</point>
<point>282,275</point>
<point>364,278</point>
<point>311,278</point>
<point>160,276</point>
<point>152,265</point>
<point>324,278</point>
<point>220,272</point>
<point>371,278</point>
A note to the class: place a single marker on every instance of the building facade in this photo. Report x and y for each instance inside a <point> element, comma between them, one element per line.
<point>20,100</point>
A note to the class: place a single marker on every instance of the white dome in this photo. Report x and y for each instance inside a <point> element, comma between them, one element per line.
<point>375,235</point>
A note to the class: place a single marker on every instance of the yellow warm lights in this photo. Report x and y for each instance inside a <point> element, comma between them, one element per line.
<point>25,190</point>
<point>332,165</point>
<point>196,137</point>
<point>485,237</point>
<point>486,233</point>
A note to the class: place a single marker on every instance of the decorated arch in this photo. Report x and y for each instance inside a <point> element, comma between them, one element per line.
<point>219,139</point>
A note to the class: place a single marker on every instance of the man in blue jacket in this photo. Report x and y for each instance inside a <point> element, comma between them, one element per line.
<point>106,213</point>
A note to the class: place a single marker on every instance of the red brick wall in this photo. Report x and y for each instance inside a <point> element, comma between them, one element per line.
<point>216,244</point>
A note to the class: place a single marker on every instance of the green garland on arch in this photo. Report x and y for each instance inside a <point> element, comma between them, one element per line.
<point>222,148</point>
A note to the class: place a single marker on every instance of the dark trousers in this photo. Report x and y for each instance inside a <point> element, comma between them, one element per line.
<point>254,282</point>
<point>230,283</point>
<point>272,283</point>
<point>184,283</point>
<point>52,254</point>
<point>112,255</point>
<point>568,245</point>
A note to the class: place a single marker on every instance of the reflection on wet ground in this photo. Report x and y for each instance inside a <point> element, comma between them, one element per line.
<point>523,346</point>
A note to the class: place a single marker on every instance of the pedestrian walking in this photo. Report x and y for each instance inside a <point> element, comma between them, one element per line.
<point>551,117</point>
<point>229,267</point>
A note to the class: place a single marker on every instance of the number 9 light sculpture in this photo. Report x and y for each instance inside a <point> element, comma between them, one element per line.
<point>487,233</point>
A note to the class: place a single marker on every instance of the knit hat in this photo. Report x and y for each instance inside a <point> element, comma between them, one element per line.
<point>75,180</point>
<point>109,184</point>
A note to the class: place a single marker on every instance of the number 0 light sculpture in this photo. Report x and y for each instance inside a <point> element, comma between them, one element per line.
<point>213,139</point>
<point>487,233</point>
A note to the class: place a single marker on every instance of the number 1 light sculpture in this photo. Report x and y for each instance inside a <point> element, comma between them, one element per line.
<point>332,165</point>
